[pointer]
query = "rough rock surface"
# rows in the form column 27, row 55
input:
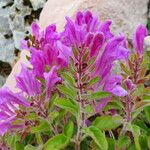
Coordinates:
column 125, row 14
column 15, row 19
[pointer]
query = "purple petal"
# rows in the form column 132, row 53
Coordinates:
column 119, row 91
column 129, row 84
column 50, row 55
column 3, row 115
column 112, row 52
column 4, row 128
column 51, row 79
column 35, row 29
column 79, row 18
column 113, row 85
column 97, row 44
column 105, row 28
column 64, row 53
column 38, row 62
column 88, row 39
column 7, row 96
column 138, row 39
column 26, row 81
column 88, row 17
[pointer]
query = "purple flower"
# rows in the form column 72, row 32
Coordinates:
column 46, row 49
column 74, row 34
column 112, row 52
column 96, row 44
column 9, row 105
column 105, row 28
column 86, row 32
column 87, row 19
column 51, row 79
column 27, row 82
column 38, row 62
column 49, row 35
column 138, row 39
column 35, row 30
column 7, row 96
column 113, row 85
column 129, row 84
column 64, row 54
column 58, row 54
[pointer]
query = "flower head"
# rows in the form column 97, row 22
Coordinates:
column 27, row 82
column 46, row 49
column 86, row 32
column 138, row 39
column 9, row 106
column 113, row 51
column 87, row 35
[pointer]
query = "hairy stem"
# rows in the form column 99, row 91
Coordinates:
column 81, row 119
column 128, row 111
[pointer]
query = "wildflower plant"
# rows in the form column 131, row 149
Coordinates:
column 71, row 98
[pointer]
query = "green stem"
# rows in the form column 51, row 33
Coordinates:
column 39, row 139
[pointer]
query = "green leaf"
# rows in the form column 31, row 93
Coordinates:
column 68, row 129
column 89, row 110
column 68, row 77
column 107, row 122
column 132, row 147
column 12, row 140
column 111, row 144
column 146, row 97
column 124, row 68
column 67, row 91
column 43, row 126
column 139, row 106
column 31, row 116
column 67, row 105
column 56, row 143
column 148, row 142
column 143, row 140
column 39, row 139
column 98, row 95
column 61, row 115
column 98, row 137
column 51, row 102
column 136, row 133
column 53, row 115
column 19, row 146
column 147, row 113
column 112, row 105
column 123, row 142
column 30, row 147
column 93, row 81
column 142, row 125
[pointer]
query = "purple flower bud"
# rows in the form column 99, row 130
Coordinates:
column 138, row 39
column 129, row 84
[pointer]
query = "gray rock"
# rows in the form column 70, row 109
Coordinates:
column 36, row 4
column 2, row 80
column 16, row 17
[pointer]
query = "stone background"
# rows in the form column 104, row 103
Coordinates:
column 16, row 17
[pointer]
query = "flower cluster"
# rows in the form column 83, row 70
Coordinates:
column 86, row 50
